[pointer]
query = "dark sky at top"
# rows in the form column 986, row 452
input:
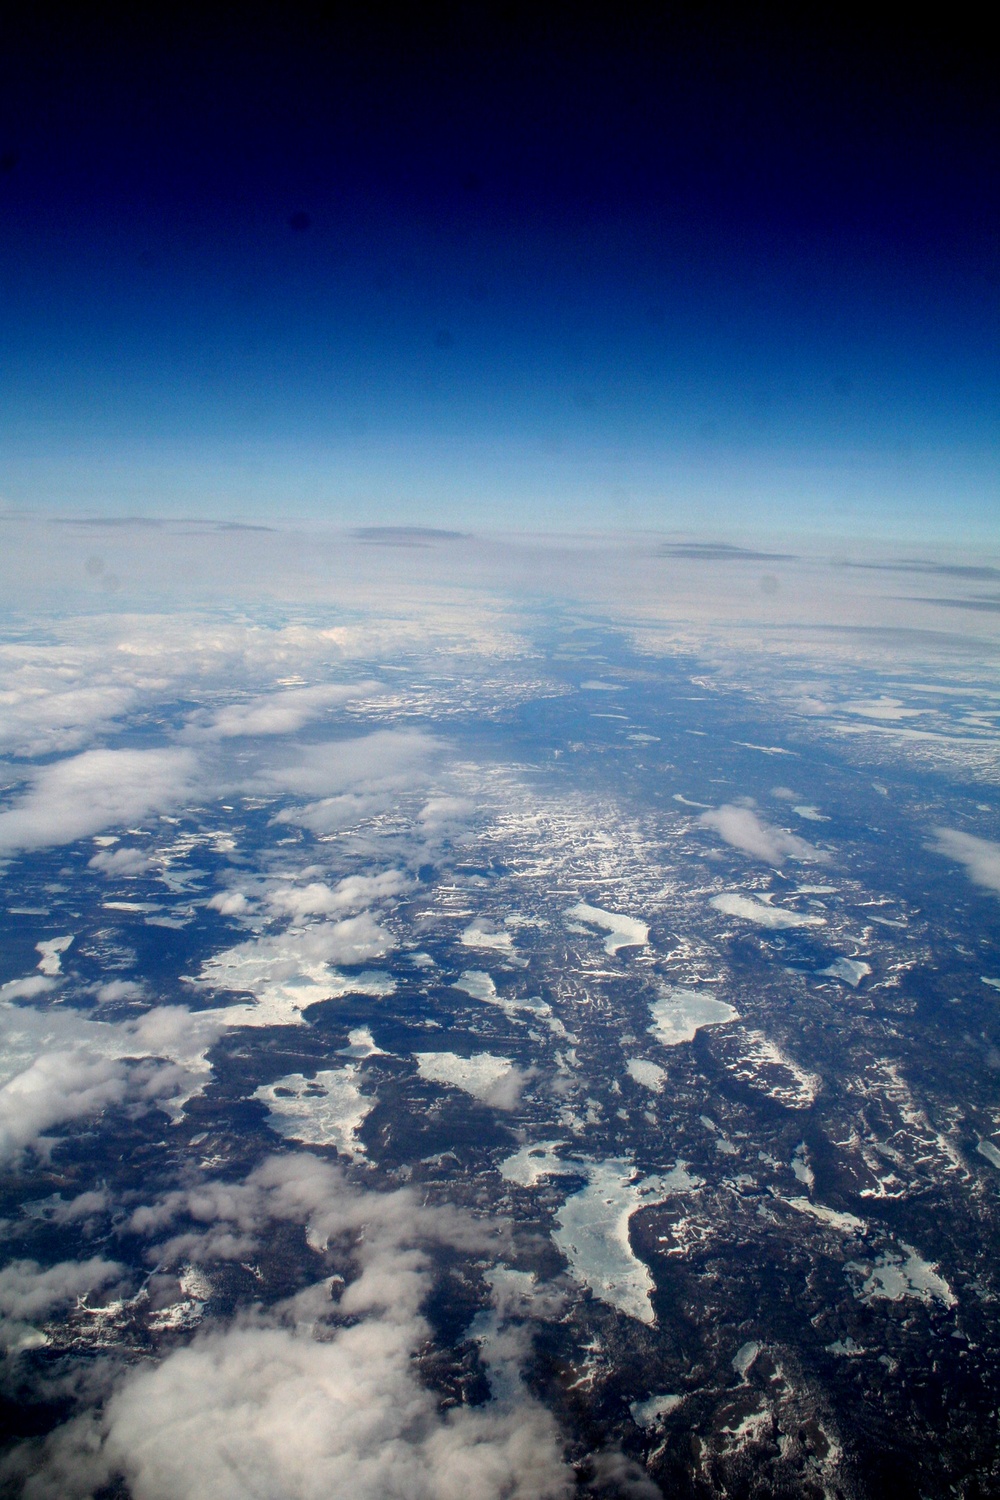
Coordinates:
column 395, row 269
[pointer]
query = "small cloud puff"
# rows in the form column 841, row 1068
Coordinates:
column 229, row 903
column 743, row 829
column 443, row 817
column 121, row 862
column 319, row 899
column 115, row 991
column 29, row 988
column 387, row 761
column 981, row 857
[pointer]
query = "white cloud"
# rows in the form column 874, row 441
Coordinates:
column 57, row 1066
column 42, row 714
column 297, row 951
column 353, row 779
column 314, row 1398
column 981, row 857
column 443, row 817
column 336, row 814
column 229, row 903
column 116, row 990
column 388, row 759
column 28, row 1291
column 29, row 988
column 273, row 1411
column 743, row 829
column 319, row 899
column 277, row 713
column 114, row 862
column 58, row 1088
column 99, row 789
column 83, row 1206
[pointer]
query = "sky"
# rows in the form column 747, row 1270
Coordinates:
column 502, row 270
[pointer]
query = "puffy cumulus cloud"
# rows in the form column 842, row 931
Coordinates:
column 298, row 1188
column 619, row 1478
column 506, row 1092
column 27, row 1291
column 319, row 899
column 301, row 1189
column 743, row 829
column 74, row 798
column 980, row 857
column 57, row 696
column 277, row 713
column 352, row 778
column 85, row 1205
column 229, row 903
column 443, row 817
column 270, row 1411
column 316, row 1397
column 296, row 951
column 388, row 758
column 336, row 814
column 41, row 713
column 61, row 1087
column 58, row 1066
column 115, row 991
column 28, row 989
column 117, row 862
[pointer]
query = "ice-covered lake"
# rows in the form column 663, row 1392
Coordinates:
column 678, row 1013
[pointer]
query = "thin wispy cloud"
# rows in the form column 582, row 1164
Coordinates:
column 980, row 858
column 277, row 713
column 744, row 829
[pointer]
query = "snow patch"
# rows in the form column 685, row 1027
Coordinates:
column 892, row 1277
column 650, row 1413
column 992, row 1155
column 528, row 1166
column 846, row 1223
column 593, row 1232
column 52, row 950
column 479, row 986
column 475, row 936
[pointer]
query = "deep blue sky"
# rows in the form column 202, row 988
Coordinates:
column 471, row 271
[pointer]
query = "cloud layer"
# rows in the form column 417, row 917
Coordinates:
column 99, row 789
column 311, row 1398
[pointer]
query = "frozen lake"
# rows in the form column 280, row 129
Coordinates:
column 679, row 1013
column 327, row 1110
column 623, row 931
column 593, row 1232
